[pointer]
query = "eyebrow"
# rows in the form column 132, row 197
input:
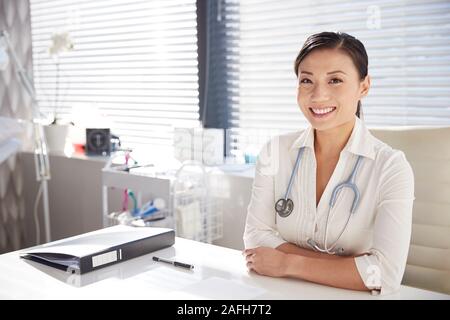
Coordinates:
column 336, row 71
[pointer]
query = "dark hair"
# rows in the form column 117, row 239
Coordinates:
column 337, row 40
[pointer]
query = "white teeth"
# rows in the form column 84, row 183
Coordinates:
column 322, row 111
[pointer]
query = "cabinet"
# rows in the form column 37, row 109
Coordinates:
column 194, row 203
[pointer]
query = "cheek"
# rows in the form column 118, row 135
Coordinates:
column 302, row 101
column 345, row 95
column 348, row 99
column 302, row 95
column 299, row 96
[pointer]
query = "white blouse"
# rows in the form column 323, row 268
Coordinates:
column 378, row 232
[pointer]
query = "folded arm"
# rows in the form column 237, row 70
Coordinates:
column 289, row 260
column 323, row 268
column 291, row 248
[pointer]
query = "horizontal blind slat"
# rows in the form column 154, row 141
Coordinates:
column 409, row 59
column 133, row 61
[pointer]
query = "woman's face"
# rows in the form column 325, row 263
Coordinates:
column 329, row 88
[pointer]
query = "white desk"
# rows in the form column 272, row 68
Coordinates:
column 219, row 273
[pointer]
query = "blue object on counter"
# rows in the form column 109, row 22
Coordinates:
column 135, row 210
column 148, row 209
column 250, row 158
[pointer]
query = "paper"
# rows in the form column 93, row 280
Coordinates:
column 61, row 259
column 219, row 288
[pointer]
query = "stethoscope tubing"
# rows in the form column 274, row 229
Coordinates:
column 294, row 170
column 349, row 183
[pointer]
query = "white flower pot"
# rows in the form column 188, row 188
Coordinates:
column 56, row 136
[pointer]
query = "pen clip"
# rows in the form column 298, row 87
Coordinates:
column 184, row 265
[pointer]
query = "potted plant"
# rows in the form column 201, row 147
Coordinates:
column 57, row 131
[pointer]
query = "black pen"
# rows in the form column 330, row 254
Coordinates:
column 174, row 263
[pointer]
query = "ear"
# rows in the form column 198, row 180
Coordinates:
column 364, row 86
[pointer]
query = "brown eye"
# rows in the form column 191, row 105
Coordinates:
column 305, row 80
column 335, row 80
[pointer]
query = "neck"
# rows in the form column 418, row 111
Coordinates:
column 331, row 142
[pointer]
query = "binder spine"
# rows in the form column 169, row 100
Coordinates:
column 127, row 251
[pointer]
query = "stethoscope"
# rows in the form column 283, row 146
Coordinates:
column 285, row 206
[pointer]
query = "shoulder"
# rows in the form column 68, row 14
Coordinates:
column 273, row 154
column 283, row 142
column 392, row 164
column 387, row 156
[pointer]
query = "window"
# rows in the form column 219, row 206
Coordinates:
column 408, row 43
column 134, row 61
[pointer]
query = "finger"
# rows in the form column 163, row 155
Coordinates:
column 251, row 257
column 249, row 251
column 253, row 270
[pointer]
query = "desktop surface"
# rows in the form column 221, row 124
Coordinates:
column 218, row 273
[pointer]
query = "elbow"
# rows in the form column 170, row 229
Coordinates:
column 250, row 237
column 379, row 273
column 248, row 240
column 254, row 237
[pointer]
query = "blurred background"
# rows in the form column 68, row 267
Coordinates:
column 157, row 83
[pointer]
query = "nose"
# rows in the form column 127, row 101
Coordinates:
column 319, row 93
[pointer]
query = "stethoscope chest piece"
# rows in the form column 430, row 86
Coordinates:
column 284, row 207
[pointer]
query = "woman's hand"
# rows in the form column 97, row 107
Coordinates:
column 266, row 261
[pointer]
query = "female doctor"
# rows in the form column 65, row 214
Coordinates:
column 331, row 204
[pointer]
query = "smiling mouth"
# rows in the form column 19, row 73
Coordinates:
column 322, row 112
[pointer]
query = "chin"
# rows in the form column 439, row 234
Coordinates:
column 332, row 124
column 324, row 126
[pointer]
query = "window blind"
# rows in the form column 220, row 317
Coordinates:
column 408, row 44
column 133, row 61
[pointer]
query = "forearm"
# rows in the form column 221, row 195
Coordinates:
column 340, row 273
column 291, row 248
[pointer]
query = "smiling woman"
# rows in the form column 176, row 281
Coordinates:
column 341, row 88
column 330, row 99
column 331, row 204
